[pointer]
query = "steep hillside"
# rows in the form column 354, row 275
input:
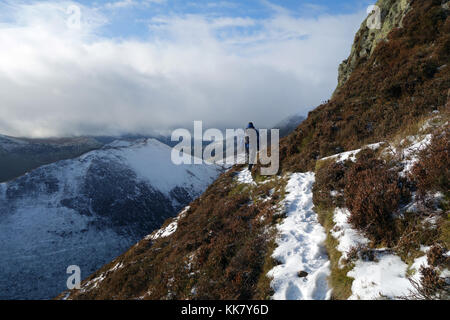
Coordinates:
column 376, row 158
column 406, row 77
column 385, row 209
column 86, row 211
column 216, row 248
column 289, row 124
column 392, row 13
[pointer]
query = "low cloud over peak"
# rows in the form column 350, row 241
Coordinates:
column 59, row 80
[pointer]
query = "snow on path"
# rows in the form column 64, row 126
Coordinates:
column 245, row 176
column 300, row 246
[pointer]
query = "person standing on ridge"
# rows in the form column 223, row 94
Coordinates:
column 251, row 144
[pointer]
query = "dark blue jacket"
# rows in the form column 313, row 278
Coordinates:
column 247, row 144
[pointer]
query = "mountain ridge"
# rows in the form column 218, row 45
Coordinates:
column 85, row 211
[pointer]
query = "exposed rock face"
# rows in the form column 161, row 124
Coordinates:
column 446, row 4
column 391, row 13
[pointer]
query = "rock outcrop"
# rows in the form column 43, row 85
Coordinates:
column 372, row 32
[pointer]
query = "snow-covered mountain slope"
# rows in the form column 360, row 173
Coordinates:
column 86, row 211
column 20, row 155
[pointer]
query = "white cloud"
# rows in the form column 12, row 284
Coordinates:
column 314, row 7
column 224, row 22
column 119, row 4
column 224, row 70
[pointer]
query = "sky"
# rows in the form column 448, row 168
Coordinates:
column 112, row 67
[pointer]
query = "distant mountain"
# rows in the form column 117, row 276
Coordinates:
column 86, row 211
column 20, row 155
column 289, row 124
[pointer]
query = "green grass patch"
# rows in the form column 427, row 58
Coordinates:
column 322, row 163
column 338, row 279
column 260, row 178
column 444, row 230
column 240, row 188
column 263, row 289
column 305, row 141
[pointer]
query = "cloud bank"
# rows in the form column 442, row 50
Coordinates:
column 60, row 80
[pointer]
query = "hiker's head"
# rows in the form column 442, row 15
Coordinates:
column 250, row 125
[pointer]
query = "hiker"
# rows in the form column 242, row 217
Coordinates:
column 251, row 144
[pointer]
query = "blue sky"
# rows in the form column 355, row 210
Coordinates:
column 140, row 66
column 128, row 18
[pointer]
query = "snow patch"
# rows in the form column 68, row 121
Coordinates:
column 169, row 229
column 423, row 262
column 418, row 263
column 300, row 247
column 152, row 161
column 345, row 234
column 410, row 154
column 335, row 193
column 340, row 157
column 118, row 266
column 383, row 278
column 92, row 284
column 245, row 176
